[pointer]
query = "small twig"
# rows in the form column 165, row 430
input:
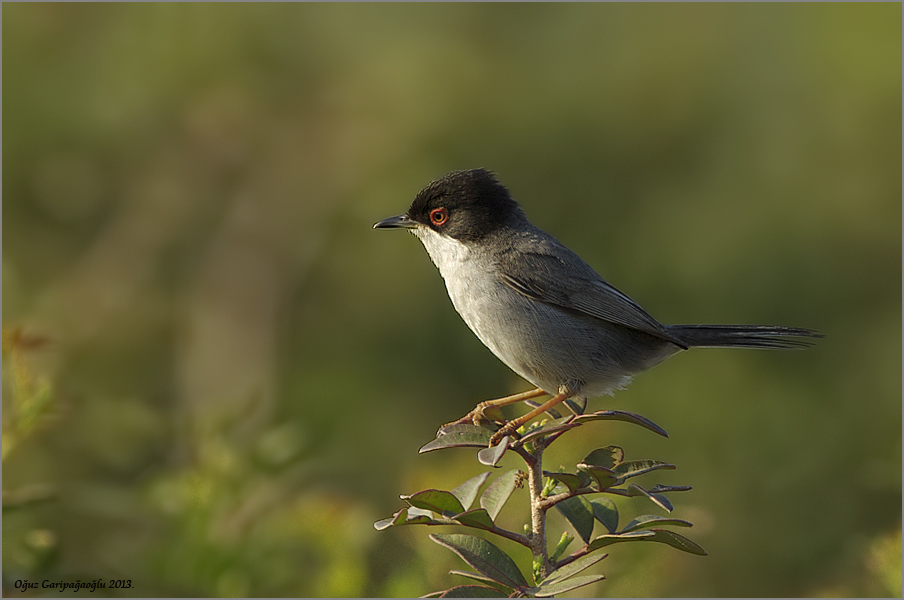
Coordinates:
column 573, row 557
column 551, row 501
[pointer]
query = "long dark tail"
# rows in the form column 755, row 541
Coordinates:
column 743, row 336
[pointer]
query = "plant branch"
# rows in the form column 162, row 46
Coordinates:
column 584, row 551
column 551, row 501
column 538, row 511
column 511, row 535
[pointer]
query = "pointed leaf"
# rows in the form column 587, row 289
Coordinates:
column 614, row 538
column 607, row 457
column 478, row 518
column 471, row 591
column 572, row 568
column 662, row 502
column 577, row 405
column 605, row 511
column 633, row 468
column 483, row 556
column 498, row 492
column 560, row 587
column 493, row 413
column 467, row 491
column 644, row 521
column 622, row 415
column 484, row 580
column 676, row 541
column 659, row 488
column 579, row 513
column 459, row 436
column 439, row 501
column 571, row 481
column 658, row 499
column 407, row 516
column 492, row 455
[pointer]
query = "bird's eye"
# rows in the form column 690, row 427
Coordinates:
column 438, row 216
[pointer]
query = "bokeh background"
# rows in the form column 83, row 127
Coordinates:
column 217, row 376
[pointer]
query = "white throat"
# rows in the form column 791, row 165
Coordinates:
column 448, row 254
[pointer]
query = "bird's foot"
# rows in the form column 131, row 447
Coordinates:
column 483, row 412
column 506, row 430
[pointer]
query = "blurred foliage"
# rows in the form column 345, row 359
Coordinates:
column 241, row 370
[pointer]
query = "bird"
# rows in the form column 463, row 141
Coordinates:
column 543, row 311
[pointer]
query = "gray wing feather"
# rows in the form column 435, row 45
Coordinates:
column 552, row 274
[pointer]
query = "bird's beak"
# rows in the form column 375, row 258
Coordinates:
column 400, row 221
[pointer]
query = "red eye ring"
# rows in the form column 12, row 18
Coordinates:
column 438, row 216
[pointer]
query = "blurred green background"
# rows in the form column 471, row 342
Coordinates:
column 217, row 376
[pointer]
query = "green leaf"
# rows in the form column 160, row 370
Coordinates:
column 439, row 501
column 607, row 457
column 459, row 436
column 563, row 544
column 605, row 478
column 572, row 568
column 662, row 502
column 658, row 499
column 493, row 413
column 407, row 516
column 560, row 587
column 483, row 579
column 659, row 488
column 467, row 491
column 577, row 405
column 608, row 539
column 549, row 428
column 633, row 468
column 571, row 481
column 579, row 513
column 483, row 556
column 663, row 536
column 605, row 511
column 498, row 492
column 492, row 455
column 471, row 591
column 413, row 511
column 645, row 521
column 548, row 425
column 479, row 518
column 622, row 415
column 676, row 541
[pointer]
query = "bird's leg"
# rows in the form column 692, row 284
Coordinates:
column 478, row 414
column 510, row 427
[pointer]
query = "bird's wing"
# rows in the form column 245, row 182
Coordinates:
column 554, row 275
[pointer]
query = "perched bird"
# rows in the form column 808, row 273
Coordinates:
column 542, row 310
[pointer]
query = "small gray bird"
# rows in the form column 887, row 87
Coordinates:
column 542, row 310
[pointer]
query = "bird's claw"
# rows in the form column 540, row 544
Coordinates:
column 505, row 430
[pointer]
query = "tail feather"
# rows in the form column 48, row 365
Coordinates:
column 743, row 336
